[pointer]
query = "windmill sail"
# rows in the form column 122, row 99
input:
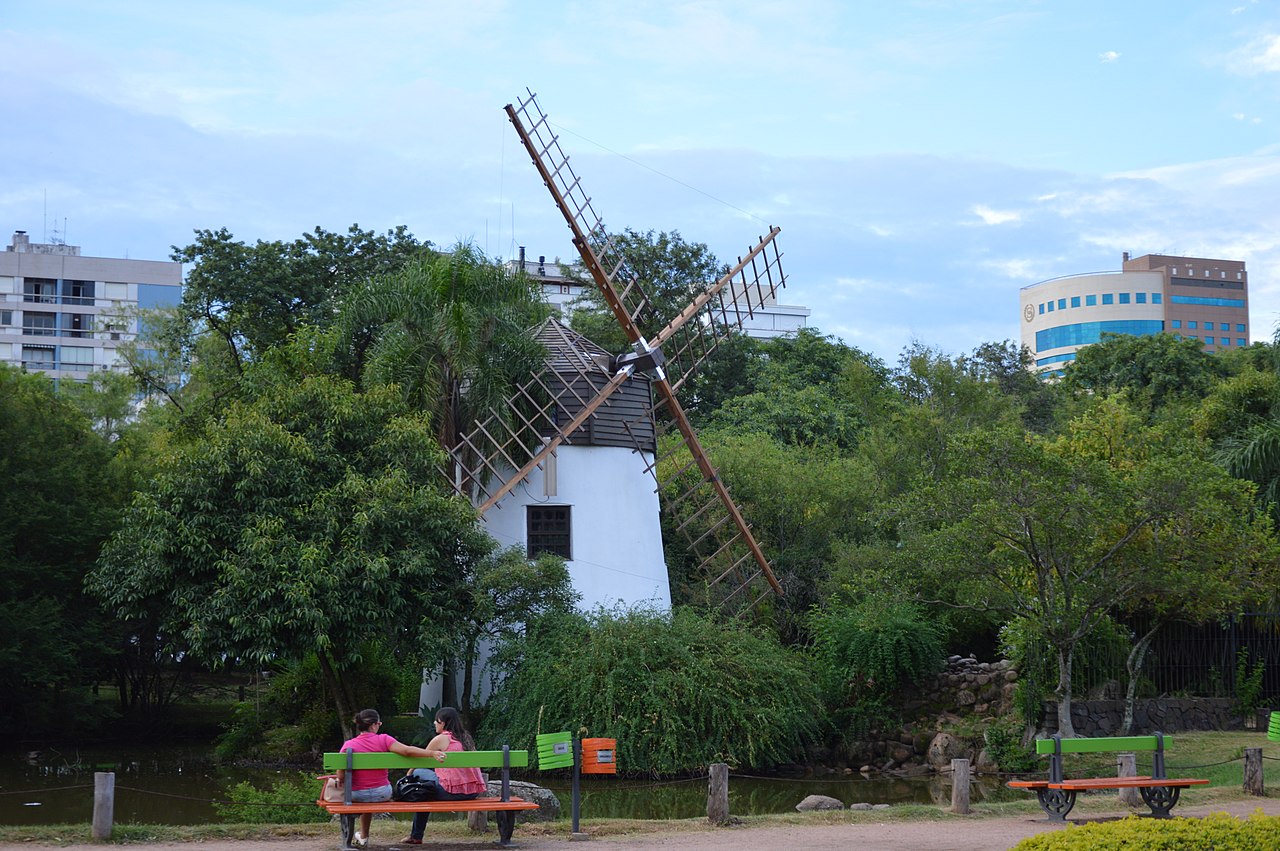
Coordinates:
column 731, row 567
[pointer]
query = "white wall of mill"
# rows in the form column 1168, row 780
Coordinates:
column 616, row 534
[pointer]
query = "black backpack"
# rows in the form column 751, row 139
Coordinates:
column 412, row 788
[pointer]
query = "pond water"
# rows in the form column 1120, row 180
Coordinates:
column 177, row 785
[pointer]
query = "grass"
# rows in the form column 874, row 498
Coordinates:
column 1215, row 756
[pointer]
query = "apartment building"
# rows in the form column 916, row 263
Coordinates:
column 65, row 314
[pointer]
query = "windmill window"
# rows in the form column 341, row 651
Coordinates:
column 548, row 530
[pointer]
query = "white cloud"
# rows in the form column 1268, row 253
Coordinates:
column 1260, row 56
column 996, row 217
column 1108, row 56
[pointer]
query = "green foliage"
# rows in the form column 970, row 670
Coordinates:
column 677, row 690
column 1249, row 682
column 1158, row 369
column 307, row 520
column 58, row 502
column 1214, row 832
column 288, row 800
column 876, row 648
column 1004, row 745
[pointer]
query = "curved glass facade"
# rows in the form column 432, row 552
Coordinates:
column 1085, row 333
column 1210, row 302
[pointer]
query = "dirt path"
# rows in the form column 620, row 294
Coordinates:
column 948, row 833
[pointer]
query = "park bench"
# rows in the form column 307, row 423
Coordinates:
column 1057, row 795
column 504, row 807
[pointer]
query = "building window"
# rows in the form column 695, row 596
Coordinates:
column 1042, row 307
column 1208, row 326
column 37, row 357
column 548, row 530
column 1084, row 333
column 1191, row 323
column 1157, row 298
column 1241, row 341
column 1208, row 302
column 76, row 358
column 1124, row 298
column 1208, row 340
column 1240, row 328
column 39, row 290
column 1140, row 298
column 1051, row 307
column 77, row 292
column 1177, row 323
column 6, row 318
column 1090, row 301
column 1108, row 298
column 1062, row 304
column 39, row 324
column 1075, row 301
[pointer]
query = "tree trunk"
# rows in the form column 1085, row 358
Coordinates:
column 464, row 699
column 345, row 713
column 449, row 682
column 1132, row 666
column 1065, row 727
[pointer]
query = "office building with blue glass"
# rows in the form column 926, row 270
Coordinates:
column 1207, row 300
column 66, row 315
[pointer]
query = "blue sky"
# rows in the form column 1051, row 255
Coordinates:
column 924, row 159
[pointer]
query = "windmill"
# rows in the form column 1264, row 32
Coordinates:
column 586, row 396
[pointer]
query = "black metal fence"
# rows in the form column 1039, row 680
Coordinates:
column 1191, row 660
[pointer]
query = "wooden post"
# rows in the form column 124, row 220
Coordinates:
column 1253, row 771
column 960, row 786
column 104, row 804
column 718, row 794
column 1127, row 766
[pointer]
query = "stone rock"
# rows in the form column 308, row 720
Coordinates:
column 860, row 806
column 548, row 803
column 1011, row 676
column 818, row 802
column 901, row 755
column 964, row 697
column 944, row 748
column 984, row 764
column 866, row 769
column 879, row 806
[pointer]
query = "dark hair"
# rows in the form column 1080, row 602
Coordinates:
column 365, row 719
column 452, row 721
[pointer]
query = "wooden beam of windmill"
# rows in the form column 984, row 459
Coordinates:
column 576, row 207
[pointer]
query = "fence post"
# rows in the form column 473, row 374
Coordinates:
column 1253, row 771
column 1127, row 766
column 960, row 786
column 718, row 794
column 104, row 804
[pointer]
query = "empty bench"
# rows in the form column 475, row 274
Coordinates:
column 1057, row 795
column 503, row 807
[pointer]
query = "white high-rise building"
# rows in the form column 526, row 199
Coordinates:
column 67, row 315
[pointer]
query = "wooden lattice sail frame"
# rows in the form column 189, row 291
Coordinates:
column 554, row 405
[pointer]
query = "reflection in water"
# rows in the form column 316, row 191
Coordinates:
column 176, row 785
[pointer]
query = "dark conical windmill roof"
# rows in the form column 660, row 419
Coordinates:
column 569, row 351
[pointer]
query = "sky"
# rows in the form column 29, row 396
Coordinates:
column 924, row 159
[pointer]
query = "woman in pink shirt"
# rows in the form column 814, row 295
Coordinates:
column 449, row 784
column 372, row 784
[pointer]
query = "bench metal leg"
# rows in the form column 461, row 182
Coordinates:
column 506, row 826
column 348, row 832
column 1161, row 799
column 1056, row 802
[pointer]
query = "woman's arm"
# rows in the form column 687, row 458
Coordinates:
column 409, row 750
column 439, row 746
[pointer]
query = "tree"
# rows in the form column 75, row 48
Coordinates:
column 508, row 591
column 451, row 332
column 1158, row 368
column 310, row 518
column 1031, row 530
column 253, row 297
column 58, row 504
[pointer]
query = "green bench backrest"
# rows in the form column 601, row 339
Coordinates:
column 1119, row 743
column 456, row 759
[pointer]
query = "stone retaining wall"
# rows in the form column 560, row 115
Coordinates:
column 1165, row 715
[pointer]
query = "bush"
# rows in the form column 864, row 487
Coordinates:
column 1004, row 745
column 289, row 800
column 677, row 690
column 1216, row 832
column 874, row 649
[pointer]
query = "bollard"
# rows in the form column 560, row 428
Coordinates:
column 718, row 794
column 1127, row 766
column 104, row 804
column 960, row 786
column 1253, row 771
